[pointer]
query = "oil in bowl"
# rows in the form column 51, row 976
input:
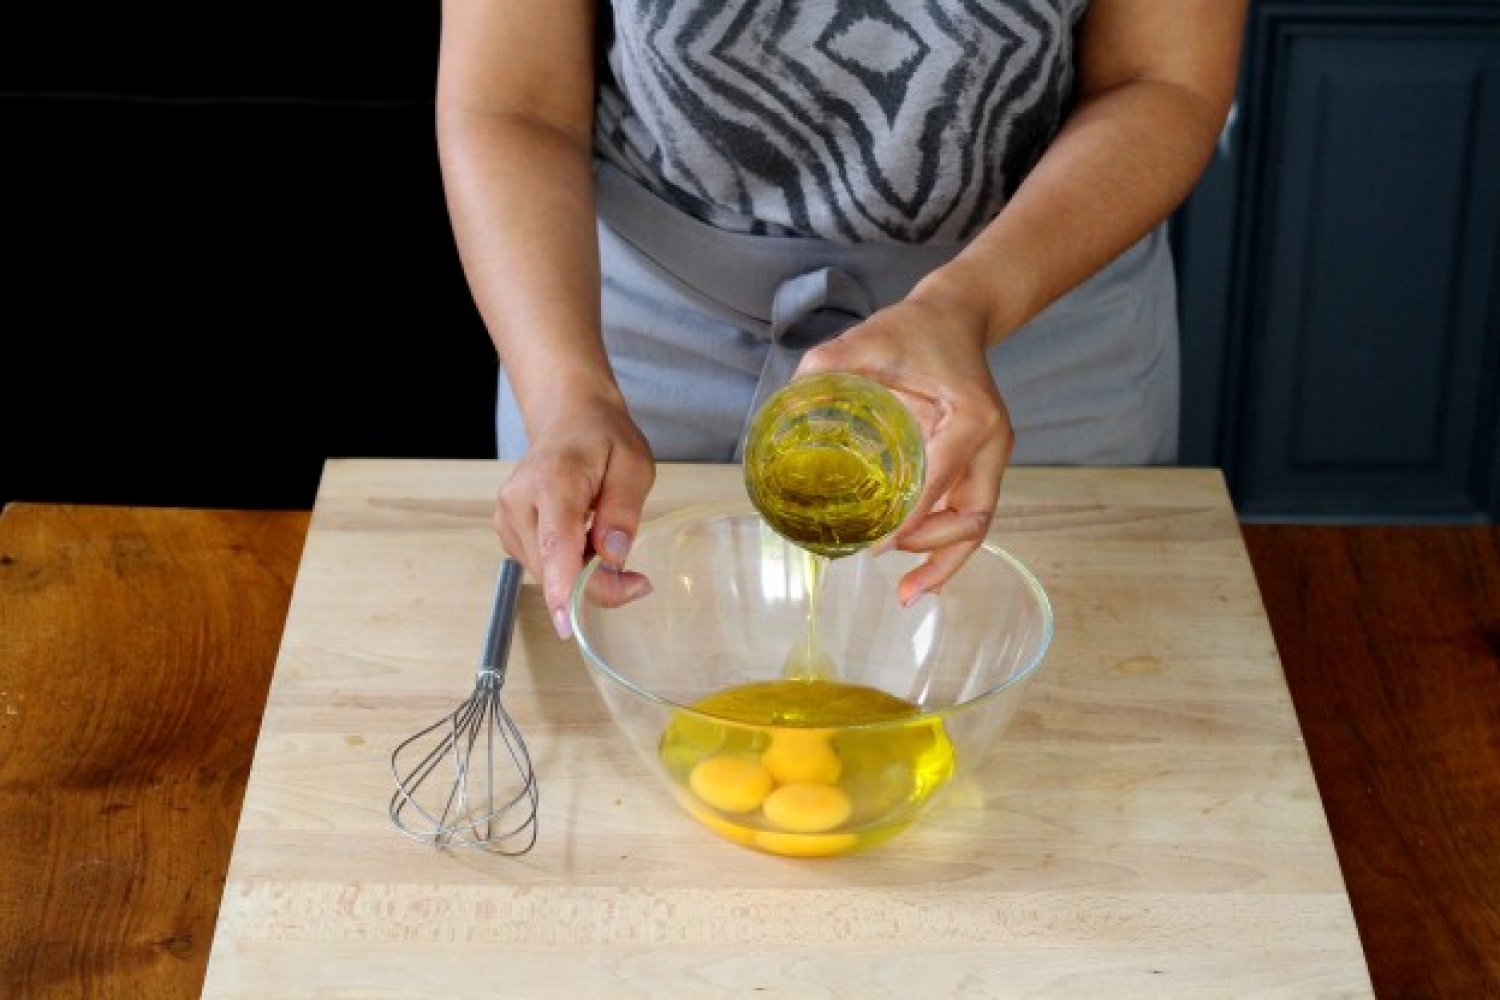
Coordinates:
column 828, row 752
column 806, row 768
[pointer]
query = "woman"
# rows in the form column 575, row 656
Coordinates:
column 962, row 200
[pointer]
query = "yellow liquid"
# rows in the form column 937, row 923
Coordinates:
column 796, row 730
column 833, row 462
column 819, row 493
column 807, row 660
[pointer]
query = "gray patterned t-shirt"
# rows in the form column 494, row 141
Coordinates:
column 851, row 120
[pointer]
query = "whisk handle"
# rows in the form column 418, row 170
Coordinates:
column 502, row 617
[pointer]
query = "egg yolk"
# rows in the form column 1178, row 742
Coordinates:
column 806, row 845
column 742, row 835
column 733, row 784
column 797, row 755
column 806, row 807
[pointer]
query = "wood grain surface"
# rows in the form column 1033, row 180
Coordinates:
column 136, row 647
column 1150, row 826
column 109, row 888
column 1391, row 641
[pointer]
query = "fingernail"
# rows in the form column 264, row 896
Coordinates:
column 640, row 590
column 562, row 623
column 914, row 598
column 616, row 544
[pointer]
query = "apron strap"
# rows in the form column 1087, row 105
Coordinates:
column 793, row 292
column 805, row 311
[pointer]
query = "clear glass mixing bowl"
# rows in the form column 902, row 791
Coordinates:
column 795, row 761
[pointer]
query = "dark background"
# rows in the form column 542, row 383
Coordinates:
column 226, row 254
column 225, row 258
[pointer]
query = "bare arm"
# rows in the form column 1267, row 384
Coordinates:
column 515, row 104
column 1155, row 80
column 514, row 122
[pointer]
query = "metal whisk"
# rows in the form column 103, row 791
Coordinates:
column 492, row 801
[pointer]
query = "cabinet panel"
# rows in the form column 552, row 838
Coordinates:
column 1367, row 378
column 1357, row 368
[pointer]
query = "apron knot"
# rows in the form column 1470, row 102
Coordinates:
column 806, row 310
column 817, row 306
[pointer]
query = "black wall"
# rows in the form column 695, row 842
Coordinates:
column 226, row 256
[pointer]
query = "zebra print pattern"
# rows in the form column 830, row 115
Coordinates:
column 851, row 120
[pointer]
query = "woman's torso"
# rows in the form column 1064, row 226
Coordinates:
column 851, row 120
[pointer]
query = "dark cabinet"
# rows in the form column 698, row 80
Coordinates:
column 1340, row 268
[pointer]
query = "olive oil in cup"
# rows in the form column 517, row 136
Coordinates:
column 834, row 462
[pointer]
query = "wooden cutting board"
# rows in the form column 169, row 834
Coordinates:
column 1149, row 827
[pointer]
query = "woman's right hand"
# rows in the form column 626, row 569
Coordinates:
column 578, row 490
column 931, row 352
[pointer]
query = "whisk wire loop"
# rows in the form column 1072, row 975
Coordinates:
column 492, row 802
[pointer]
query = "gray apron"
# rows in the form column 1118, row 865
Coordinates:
column 702, row 324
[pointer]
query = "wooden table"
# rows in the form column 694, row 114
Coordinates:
column 136, row 645
column 1390, row 638
column 111, row 871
